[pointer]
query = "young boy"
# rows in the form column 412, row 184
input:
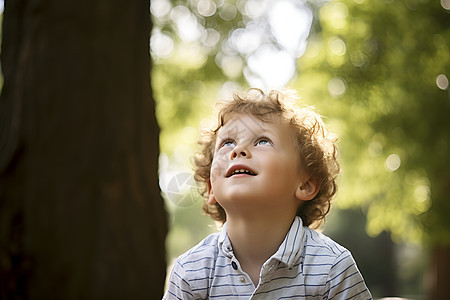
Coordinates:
column 268, row 172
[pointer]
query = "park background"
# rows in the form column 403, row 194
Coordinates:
column 377, row 71
column 80, row 210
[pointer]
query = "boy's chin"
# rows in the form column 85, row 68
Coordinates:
column 239, row 202
column 238, row 197
column 243, row 203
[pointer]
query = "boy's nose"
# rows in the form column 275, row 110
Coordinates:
column 240, row 151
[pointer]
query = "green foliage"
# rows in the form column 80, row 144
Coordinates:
column 379, row 61
column 371, row 67
column 187, row 73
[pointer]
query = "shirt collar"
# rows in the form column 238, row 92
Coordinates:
column 289, row 251
column 224, row 242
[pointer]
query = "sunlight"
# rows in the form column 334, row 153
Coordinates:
column 210, row 37
column 189, row 29
column 270, row 67
column 336, row 14
column 227, row 12
column 160, row 8
column 206, row 8
column 285, row 22
column 337, row 46
column 230, row 65
column 442, row 81
column 336, row 87
column 161, row 45
column 290, row 23
column 254, row 8
column 393, row 162
column 247, row 40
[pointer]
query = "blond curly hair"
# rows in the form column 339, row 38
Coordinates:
column 315, row 143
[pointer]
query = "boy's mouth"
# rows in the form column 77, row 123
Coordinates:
column 240, row 170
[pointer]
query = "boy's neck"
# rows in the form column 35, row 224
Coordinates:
column 255, row 240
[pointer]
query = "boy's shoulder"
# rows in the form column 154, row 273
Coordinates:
column 318, row 244
column 193, row 271
column 333, row 266
column 203, row 253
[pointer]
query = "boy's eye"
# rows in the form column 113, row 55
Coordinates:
column 263, row 141
column 228, row 143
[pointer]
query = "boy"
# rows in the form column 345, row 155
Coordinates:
column 268, row 172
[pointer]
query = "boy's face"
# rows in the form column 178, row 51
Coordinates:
column 255, row 166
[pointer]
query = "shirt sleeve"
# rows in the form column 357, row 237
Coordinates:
column 178, row 287
column 345, row 281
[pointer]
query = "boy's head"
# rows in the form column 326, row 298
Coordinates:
column 312, row 142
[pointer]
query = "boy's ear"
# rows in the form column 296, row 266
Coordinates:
column 211, row 199
column 308, row 190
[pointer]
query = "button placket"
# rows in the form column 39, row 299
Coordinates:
column 242, row 276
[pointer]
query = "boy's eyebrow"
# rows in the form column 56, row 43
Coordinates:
column 235, row 132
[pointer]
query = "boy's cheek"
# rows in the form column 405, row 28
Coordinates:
column 218, row 169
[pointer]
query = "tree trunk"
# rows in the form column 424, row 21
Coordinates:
column 440, row 273
column 81, row 216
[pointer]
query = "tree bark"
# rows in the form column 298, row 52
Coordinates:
column 439, row 273
column 81, row 216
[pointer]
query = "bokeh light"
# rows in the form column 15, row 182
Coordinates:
column 442, row 81
column 161, row 45
column 206, row 8
column 336, row 87
column 393, row 162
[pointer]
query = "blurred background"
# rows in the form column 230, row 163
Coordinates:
column 378, row 70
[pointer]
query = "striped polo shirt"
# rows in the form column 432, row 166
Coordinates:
column 307, row 265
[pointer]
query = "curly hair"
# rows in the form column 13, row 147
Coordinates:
column 315, row 143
